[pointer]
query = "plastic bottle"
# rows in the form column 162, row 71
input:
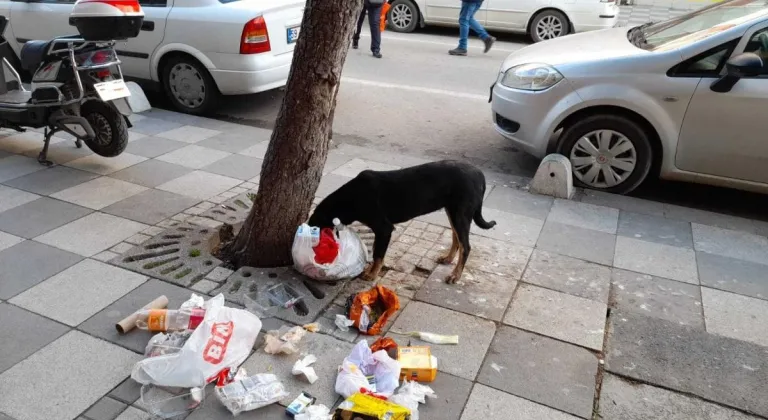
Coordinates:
column 164, row 320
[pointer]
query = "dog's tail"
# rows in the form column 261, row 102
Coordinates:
column 479, row 221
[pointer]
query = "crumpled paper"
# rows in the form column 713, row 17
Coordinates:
column 285, row 344
column 343, row 322
column 315, row 412
column 302, row 366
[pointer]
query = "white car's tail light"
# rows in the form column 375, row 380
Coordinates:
column 255, row 37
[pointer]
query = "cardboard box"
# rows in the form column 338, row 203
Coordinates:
column 417, row 363
column 366, row 407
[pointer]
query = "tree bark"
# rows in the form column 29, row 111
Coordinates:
column 293, row 164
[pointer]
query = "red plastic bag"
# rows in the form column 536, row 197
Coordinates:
column 383, row 22
column 371, row 309
column 327, row 249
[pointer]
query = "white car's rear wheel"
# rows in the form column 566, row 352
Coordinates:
column 608, row 153
column 403, row 16
column 549, row 24
column 189, row 86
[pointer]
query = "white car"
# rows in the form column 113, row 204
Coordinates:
column 541, row 19
column 194, row 50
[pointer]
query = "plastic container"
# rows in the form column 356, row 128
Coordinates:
column 259, row 304
column 168, row 403
column 283, row 295
column 162, row 320
column 105, row 20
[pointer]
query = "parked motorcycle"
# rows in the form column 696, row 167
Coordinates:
column 77, row 83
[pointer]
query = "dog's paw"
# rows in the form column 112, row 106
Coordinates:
column 451, row 279
column 445, row 259
column 367, row 275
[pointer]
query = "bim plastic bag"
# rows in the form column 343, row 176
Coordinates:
column 364, row 370
column 350, row 262
column 222, row 341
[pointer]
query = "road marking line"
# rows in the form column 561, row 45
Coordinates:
column 403, row 39
column 416, row 89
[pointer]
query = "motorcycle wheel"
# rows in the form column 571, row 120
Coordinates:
column 110, row 128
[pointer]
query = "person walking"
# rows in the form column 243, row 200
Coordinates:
column 373, row 9
column 466, row 21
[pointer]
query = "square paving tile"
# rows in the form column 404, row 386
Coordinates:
column 733, row 275
column 16, row 142
column 78, row 292
column 236, row 166
column 188, row 134
column 153, row 126
column 91, row 234
column 656, row 259
column 736, row 316
column 193, row 156
column 199, row 184
column 19, row 343
column 243, row 143
column 542, row 370
column 330, row 353
column 657, row 297
column 128, row 391
column 730, row 243
column 487, row 403
column 39, row 216
column 105, row 409
column 709, row 218
column 93, row 367
column 655, row 229
column 621, row 399
column 559, row 315
column 585, row 244
column 497, row 257
column 11, row 197
column 28, row 263
column 510, row 227
column 258, row 150
column 152, row 147
column 7, row 240
column 475, row 335
column 151, row 206
column 61, row 152
column 102, row 324
column 688, row 360
column 355, row 166
column 16, row 166
column 512, row 200
column 151, row 173
column 478, row 293
column 452, row 394
column 104, row 166
column 623, row 202
column 330, row 183
column 568, row 275
column 583, row 215
column 51, row 180
column 213, row 409
column 99, row 193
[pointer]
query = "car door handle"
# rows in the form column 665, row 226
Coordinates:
column 148, row 26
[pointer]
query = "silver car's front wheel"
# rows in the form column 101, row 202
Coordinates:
column 403, row 16
column 608, row 152
column 549, row 24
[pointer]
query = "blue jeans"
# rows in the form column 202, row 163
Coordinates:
column 467, row 20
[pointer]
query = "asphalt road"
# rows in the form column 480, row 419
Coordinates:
column 418, row 100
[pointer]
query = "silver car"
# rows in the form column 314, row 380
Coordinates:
column 685, row 99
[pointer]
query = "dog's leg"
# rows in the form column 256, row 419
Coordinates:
column 380, row 244
column 462, row 225
column 451, row 255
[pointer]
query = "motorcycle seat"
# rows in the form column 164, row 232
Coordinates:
column 33, row 53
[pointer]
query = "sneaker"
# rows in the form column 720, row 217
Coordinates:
column 377, row 55
column 458, row 51
column 488, row 43
column 354, row 45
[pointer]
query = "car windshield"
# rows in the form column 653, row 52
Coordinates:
column 696, row 26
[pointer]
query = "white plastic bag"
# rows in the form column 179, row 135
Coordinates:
column 315, row 412
column 350, row 262
column 251, row 393
column 362, row 363
column 223, row 340
column 410, row 395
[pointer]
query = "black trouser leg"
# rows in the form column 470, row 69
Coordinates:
column 356, row 36
column 374, row 20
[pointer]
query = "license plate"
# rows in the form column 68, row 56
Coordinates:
column 111, row 90
column 293, row 34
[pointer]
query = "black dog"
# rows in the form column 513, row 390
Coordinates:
column 382, row 199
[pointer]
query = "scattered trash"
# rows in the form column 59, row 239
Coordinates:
column 223, row 341
column 162, row 343
column 410, row 395
column 168, row 403
column 251, row 393
column 350, row 261
column 302, row 367
column 387, row 344
column 283, row 295
column 343, row 322
column 300, row 404
column 257, row 302
column 371, row 309
column 357, row 369
column 417, row 363
column 284, row 342
column 327, row 248
column 163, row 320
column 315, row 412
column 368, row 407
column 129, row 322
column 431, row 337
column 313, row 327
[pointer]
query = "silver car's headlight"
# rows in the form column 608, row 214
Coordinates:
column 533, row 77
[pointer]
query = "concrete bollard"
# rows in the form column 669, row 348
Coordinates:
column 554, row 177
column 138, row 100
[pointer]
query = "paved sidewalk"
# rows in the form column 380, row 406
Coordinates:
column 602, row 307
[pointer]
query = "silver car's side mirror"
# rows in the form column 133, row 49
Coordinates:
column 738, row 67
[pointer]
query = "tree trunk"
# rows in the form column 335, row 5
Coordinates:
column 293, row 164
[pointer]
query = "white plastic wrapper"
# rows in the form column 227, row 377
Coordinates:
column 251, row 393
column 343, row 322
column 362, row 363
column 410, row 395
column 353, row 255
column 315, row 412
column 303, row 367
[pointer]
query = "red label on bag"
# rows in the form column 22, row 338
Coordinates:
column 216, row 347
